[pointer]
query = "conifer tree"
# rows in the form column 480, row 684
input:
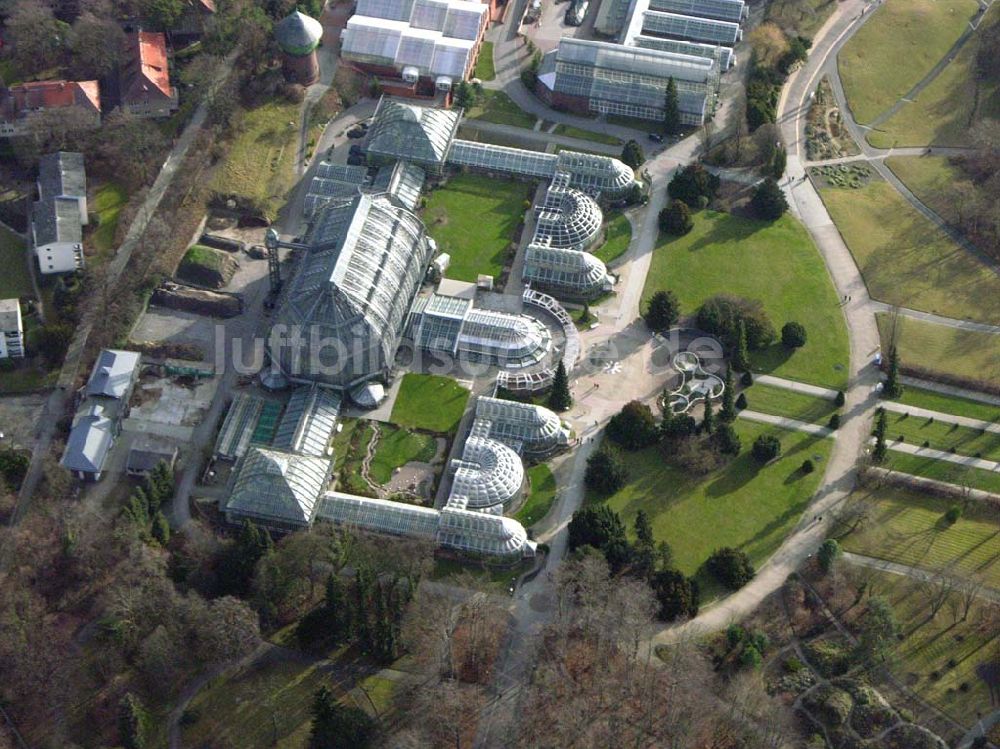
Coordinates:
column 893, row 387
column 671, row 109
column 741, row 356
column 881, row 426
column 708, row 421
column 728, row 412
column 560, row 398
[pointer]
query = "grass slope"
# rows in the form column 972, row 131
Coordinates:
column 788, row 403
column 109, row 199
column 575, row 132
column 775, row 263
column 916, row 430
column 800, row 17
column 496, row 106
column 618, row 235
column 429, row 402
column 741, row 505
column 945, row 350
column 917, row 31
column 906, row 260
column 485, row 69
column 397, row 447
column 473, row 219
column 543, row 494
column 932, row 179
column 949, row 404
column 942, row 112
column 15, row 281
column 946, row 471
column 261, row 159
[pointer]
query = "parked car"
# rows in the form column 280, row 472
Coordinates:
column 656, row 137
column 356, row 159
column 356, row 132
column 357, row 150
column 576, row 12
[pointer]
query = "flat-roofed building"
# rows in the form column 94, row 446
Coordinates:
column 60, row 213
column 11, row 330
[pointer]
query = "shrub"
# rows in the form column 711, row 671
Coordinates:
column 662, row 312
column 840, row 399
column 953, row 514
column 633, row 427
column 793, row 335
column 606, row 472
column 741, row 400
column 678, row 426
column 721, row 315
column 768, row 202
column 678, row 595
column 834, row 422
column 828, row 552
column 597, row 526
column 731, row 567
column 726, row 441
column 746, row 379
column 675, row 219
column 765, row 448
column 808, row 466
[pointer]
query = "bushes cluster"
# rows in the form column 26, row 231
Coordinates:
column 694, row 186
column 634, row 427
column 606, row 472
column 767, row 76
column 721, row 316
column 731, row 567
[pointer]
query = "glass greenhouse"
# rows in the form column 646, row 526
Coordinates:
column 489, row 476
column 567, row 218
column 341, row 316
column 278, row 489
column 721, row 10
column 724, row 56
column 307, row 425
column 691, row 28
column 571, row 272
column 333, row 181
column 535, row 429
column 408, row 132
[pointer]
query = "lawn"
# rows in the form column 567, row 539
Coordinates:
column 932, row 179
column 776, row 263
column 397, row 447
column 266, row 706
column 15, row 281
column 908, row 528
column 617, row 236
column 473, row 218
column 949, row 404
column 543, row 494
column 496, row 106
column 108, row 201
column 788, row 403
column 260, row 165
column 576, row 132
column 485, row 69
column 741, row 505
column 916, row 430
column 944, row 350
column 350, row 445
column 380, row 692
column 918, row 31
column 906, row 260
column 939, row 654
column 946, row 471
column 942, row 112
column 430, row 403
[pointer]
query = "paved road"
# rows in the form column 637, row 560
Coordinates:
column 918, row 573
column 817, row 430
column 798, row 387
column 953, row 390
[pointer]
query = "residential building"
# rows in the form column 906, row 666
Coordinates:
column 98, row 419
column 145, row 76
column 59, row 215
column 76, row 104
column 148, row 452
column 11, row 330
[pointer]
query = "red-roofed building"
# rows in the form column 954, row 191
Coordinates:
column 24, row 104
column 145, row 80
column 197, row 13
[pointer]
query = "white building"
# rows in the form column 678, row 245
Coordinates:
column 11, row 330
column 60, row 213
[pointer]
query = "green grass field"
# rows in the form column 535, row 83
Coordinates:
column 543, row 494
column 932, row 179
column 906, row 260
column 945, row 350
column 741, row 505
column 946, row 471
column 576, row 132
column 916, row 430
column 263, row 707
column 15, row 281
column 776, row 263
column 618, row 235
column 473, row 219
column 496, row 106
column 397, row 447
column 908, row 528
column 485, row 69
column 782, row 402
column 261, row 160
column 949, row 404
column 429, row 402
column 923, row 660
column 917, row 31
column 942, row 112
column 108, row 202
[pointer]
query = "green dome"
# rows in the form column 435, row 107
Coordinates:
column 298, row 34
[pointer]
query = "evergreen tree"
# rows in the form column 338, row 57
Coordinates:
column 728, row 412
column 893, row 387
column 768, row 201
column 881, row 426
column 828, row 552
column 708, row 420
column 250, row 546
column 676, row 219
column 644, row 553
column 161, row 528
column 632, row 154
column 133, row 722
column 671, row 109
column 559, row 397
column 662, row 312
column 779, row 158
column 741, row 356
column 335, row 725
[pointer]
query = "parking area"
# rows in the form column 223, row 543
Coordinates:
column 551, row 25
column 170, row 406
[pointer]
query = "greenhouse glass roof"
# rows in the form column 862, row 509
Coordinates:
column 535, row 428
column 278, row 485
column 503, row 159
column 403, row 181
column 635, row 60
column 489, row 473
column 308, row 422
column 412, row 133
column 689, row 27
column 720, row 10
column 567, row 218
column 698, row 49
